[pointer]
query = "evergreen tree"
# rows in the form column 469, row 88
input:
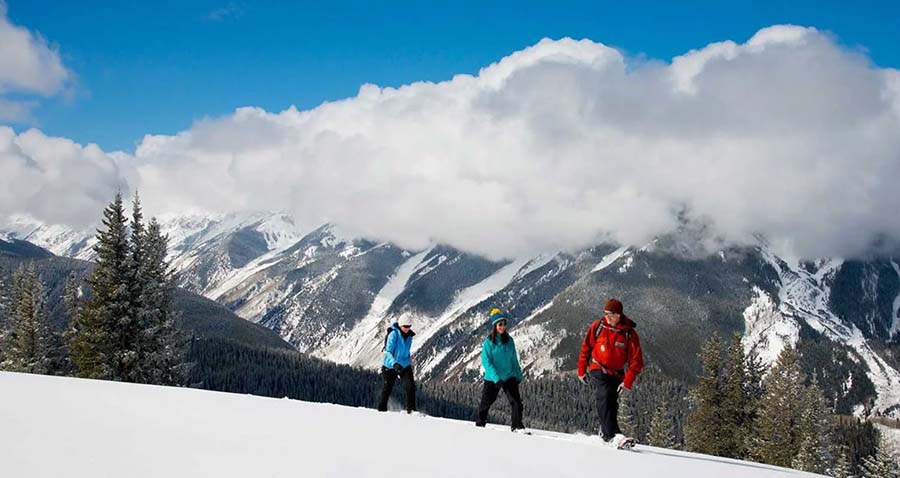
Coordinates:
column 815, row 454
column 880, row 465
column 703, row 430
column 72, row 304
column 30, row 343
column 101, row 346
column 841, row 467
column 662, row 427
column 735, row 419
column 626, row 415
column 72, row 298
column 162, row 350
column 126, row 331
column 783, row 416
column 807, row 458
column 755, row 372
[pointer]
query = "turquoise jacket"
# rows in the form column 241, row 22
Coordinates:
column 397, row 348
column 500, row 360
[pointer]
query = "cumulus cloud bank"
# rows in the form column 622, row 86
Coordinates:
column 28, row 65
column 558, row 146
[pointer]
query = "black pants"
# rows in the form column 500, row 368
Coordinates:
column 605, row 388
column 409, row 384
column 489, row 395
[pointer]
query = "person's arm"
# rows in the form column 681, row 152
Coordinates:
column 389, row 348
column 635, row 361
column 518, row 368
column 587, row 346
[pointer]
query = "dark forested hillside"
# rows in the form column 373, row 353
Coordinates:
column 196, row 315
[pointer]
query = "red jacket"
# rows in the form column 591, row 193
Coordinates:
column 610, row 349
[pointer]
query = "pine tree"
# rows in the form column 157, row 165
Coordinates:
column 662, row 427
column 880, row 465
column 162, row 350
column 755, row 391
column 703, row 430
column 815, row 454
column 841, row 468
column 807, row 458
column 734, row 418
column 72, row 302
column 125, row 331
column 30, row 343
column 780, row 428
column 104, row 329
column 626, row 415
column 72, row 297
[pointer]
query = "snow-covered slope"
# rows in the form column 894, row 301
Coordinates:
column 805, row 295
column 207, row 249
column 60, row 240
column 53, row 426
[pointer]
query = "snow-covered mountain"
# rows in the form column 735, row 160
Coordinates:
column 55, row 426
column 333, row 295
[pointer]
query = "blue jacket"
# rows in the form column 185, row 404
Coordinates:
column 500, row 360
column 397, row 348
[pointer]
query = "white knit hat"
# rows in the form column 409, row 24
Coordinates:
column 406, row 319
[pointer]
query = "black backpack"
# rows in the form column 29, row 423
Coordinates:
column 386, row 337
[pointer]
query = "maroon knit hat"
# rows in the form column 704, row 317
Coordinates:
column 614, row 306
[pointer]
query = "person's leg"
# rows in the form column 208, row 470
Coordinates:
column 515, row 403
column 489, row 393
column 409, row 384
column 607, row 403
column 614, row 403
column 389, row 376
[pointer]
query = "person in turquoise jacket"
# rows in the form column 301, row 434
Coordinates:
column 501, row 372
column 398, row 364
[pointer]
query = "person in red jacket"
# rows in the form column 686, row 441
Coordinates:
column 611, row 356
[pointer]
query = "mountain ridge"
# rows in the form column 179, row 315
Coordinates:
column 332, row 295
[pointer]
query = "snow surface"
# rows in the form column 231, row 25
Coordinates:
column 610, row 258
column 767, row 332
column 54, row 426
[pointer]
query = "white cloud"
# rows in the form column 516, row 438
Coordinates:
column 55, row 179
column 561, row 145
column 27, row 65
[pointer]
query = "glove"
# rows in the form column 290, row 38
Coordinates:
column 621, row 388
column 583, row 379
column 398, row 368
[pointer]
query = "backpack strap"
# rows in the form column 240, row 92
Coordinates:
column 386, row 337
column 599, row 329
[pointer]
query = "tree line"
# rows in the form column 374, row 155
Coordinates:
column 779, row 417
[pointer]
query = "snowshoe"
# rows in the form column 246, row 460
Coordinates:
column 622, row 442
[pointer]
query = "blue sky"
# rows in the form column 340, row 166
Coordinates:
column 156, row 67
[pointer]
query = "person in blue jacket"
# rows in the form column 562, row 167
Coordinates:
column 398, row 363
column 501, row 372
